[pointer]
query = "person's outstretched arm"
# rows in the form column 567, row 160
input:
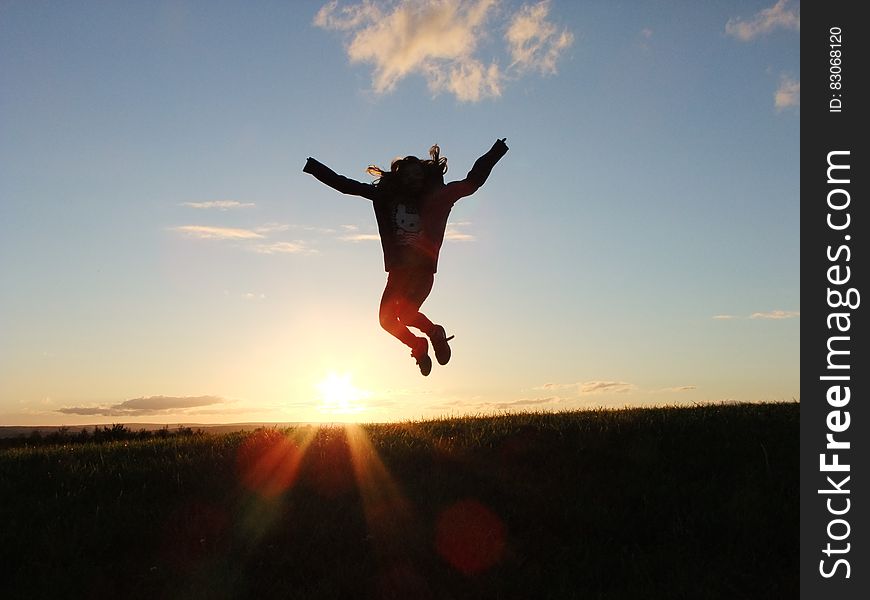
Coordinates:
column 479, row 173
column 345, row 185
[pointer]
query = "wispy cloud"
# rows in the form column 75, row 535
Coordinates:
column 360, row 237
column 788, row 94
column 680, row 388
column 353, row 234
column 207, row 232
column 296, row 247
column 261, row 240
column 439, row 40
column 219, row 204
column 254, row 240
column 591, row 387
column 527, row 403
column 606, row 387
column 475, row 404
column 781, row 15
column 771, row 315
column 558, row 386
column 272, row 228
column 152, row 405
column 455, row 232
column 776, row 314
column 535, row 43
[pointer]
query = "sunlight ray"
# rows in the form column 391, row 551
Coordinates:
column 268, row 464
column 394, row 530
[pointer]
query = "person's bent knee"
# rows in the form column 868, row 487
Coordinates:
column 387, row 319
column 408, row 317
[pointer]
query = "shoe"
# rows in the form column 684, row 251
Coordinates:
column 439, row 344
column 421, row 354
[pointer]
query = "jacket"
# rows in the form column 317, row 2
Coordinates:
column 412, row 228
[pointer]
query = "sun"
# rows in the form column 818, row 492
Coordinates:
column 338, row 396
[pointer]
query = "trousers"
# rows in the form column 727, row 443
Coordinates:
column 405, row 292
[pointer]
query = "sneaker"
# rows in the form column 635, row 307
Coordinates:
column 421, row 354
column 439, row 344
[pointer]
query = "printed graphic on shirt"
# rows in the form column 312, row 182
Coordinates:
column 407, row 225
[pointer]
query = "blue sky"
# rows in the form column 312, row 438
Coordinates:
column 163, row 258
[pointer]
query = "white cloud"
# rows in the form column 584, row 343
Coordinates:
column 219, row 204
column 788, row 94
column 283, row 248
column 779, row 16
column 272, row 228
column 206, row 232
column 429, row 37
column 535, row 43
column 470, row 81
column 455, row 232
column 255, row 240
column 440, row 39
column 770, row 315
column 353, row 234
column 776, row 314
column 348, row 17
column 361, row 237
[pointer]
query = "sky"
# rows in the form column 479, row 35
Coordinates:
column 163, row 258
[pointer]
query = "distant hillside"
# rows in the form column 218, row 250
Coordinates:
column 13, row 431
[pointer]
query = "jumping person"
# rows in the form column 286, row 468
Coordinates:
column 412, row 203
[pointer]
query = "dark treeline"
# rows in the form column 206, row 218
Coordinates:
column 98, row 434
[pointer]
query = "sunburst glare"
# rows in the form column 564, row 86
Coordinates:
column 340, row 397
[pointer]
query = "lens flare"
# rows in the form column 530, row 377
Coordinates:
column 470, row 537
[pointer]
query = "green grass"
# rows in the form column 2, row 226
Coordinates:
column 697, row 502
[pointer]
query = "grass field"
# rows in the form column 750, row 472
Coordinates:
column 697, row 502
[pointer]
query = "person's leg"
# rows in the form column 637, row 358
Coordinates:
column 392, row 301
column 417, row 289
column 394, row 304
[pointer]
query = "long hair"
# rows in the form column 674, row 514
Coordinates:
column 434, row 169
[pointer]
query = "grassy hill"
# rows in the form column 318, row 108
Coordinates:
column 697, row 502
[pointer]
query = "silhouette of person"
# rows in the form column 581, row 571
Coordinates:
column 412, row 203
